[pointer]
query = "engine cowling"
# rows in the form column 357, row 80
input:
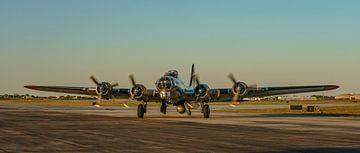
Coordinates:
column 240, row 88
column 104, row 89
column 137, row 92
column 202, row 91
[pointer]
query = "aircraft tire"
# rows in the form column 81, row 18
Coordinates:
column 206, row 111
column 163, row 108
column 140, row 111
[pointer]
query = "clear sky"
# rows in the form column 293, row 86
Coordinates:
column 269, row 43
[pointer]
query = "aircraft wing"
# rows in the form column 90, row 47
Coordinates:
column 270, row 91
column 225, row 94
column 91, row 91
column 118, row 93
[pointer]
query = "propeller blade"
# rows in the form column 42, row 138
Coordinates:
column 132, row 79
column 192, row 75
column 100, row 96
column 232, row 78
column 94, row 80
column 236, row 95
column 235, row 98
column 115, row 85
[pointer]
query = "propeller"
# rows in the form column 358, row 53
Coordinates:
column 237, row 87
column 99, row 96
column 201, row 90
column 137, row 89
column 94, row 80
column 132, row 79
column 97, row 82
column 232, row 78
column 236, row 95
column 192, row 75
column 103, row 87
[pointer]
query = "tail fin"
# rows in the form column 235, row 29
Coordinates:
column 192, row 75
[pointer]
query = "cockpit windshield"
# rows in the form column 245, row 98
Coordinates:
column 164, row 83
column 172, row 73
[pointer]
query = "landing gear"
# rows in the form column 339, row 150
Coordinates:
column 163, row 108
column 187, row 109
column 202, row 107
column 140, row 111
column 188, row 112
column 206, row 111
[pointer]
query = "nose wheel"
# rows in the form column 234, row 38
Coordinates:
column 163, row 108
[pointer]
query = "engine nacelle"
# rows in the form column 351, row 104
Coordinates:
column 137, row 92
column 104, row 89
column 202, row 91
column 241, row 88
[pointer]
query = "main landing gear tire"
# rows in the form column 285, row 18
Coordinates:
column 140, row 111
column 163, row 108
column 206, row 111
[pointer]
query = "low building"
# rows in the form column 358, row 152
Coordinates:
column 296, row 98
column 348, row 97
column 356, row 97
column 343, row 97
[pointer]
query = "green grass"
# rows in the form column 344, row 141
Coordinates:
column 342, row 110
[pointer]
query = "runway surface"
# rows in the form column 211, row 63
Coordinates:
column 30, row 128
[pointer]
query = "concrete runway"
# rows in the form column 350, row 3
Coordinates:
column 29, row 128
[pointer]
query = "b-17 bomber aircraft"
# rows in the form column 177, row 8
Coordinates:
column 170, row 90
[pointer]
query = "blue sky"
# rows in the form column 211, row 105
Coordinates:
column 268, row 43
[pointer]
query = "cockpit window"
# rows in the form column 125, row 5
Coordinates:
column 172, row 73
column 164, row 83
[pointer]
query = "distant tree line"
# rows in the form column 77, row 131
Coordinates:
column 323, row 97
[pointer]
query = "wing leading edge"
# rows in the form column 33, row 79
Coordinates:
column 271, row 91
column 226, row 94
column 91, row 91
